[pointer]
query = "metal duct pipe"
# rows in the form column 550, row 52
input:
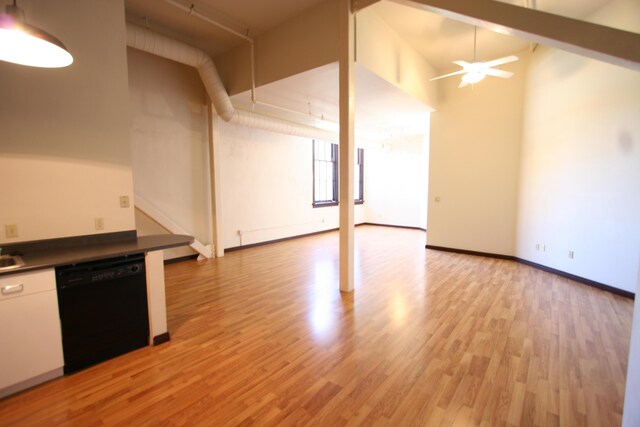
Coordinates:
column 260, row 121
column 165, row 47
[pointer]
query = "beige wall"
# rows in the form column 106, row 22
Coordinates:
column 169, row 140
column 382, row 51
column 474, row 164
column 305, row 42
column 580, row 177
column 544, row 163
column 310, row 40
column 395, row 185
column 267, row 187
column 64, row 150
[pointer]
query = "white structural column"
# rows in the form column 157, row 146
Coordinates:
column 631, row 412
column 216, row 185
column 346, row 59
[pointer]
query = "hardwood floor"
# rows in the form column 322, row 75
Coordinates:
column 263, row 336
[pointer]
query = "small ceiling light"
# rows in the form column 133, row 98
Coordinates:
column 21, row 43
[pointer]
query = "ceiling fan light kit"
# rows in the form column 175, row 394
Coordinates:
column 24, row 44
column 472, row 77
column 476, row 71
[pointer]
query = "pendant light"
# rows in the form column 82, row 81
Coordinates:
column 21, row 43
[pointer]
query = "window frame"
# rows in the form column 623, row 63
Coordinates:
column 360, row 166
column 335, row 168
column 335, row 160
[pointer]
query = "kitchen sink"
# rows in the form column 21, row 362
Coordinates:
column 9, row 262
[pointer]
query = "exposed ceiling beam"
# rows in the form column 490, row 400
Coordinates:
column 595, row 41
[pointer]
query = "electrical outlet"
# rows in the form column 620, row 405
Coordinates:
column 537, row 246
column 571, row 254
column 124, row 201
column 99, row 223
column 544, row 248
column 11, row 230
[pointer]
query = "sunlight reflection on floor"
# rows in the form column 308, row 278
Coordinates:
column 322, row 316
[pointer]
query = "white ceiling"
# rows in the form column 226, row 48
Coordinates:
column 380, row 106
column 440, row 40
column 250, row 17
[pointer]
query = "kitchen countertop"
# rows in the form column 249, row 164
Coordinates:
column 40, row 258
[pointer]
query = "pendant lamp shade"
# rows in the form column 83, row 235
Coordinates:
column 21, row 43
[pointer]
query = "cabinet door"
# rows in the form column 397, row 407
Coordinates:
column 30, row 336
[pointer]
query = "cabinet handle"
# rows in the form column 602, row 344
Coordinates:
column 12, row 289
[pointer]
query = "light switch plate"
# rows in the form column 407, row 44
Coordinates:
column 11, row 230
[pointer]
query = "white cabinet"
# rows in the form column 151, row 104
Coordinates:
column 30, row 338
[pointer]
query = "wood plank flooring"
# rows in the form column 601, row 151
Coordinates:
column 263, row 336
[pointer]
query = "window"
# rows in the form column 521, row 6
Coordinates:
column 325, row 173
column 358, row 176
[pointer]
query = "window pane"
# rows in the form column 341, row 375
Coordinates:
column 324, row 171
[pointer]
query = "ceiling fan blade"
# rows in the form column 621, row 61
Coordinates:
column 497, row 73
column 448, row 75
column 500, row 61
column 463, row 64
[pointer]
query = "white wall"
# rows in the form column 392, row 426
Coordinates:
column 64, row 150
column 474, row 164
column 304, row 42
column 169, row 138
column 580, row 182
column 381, row 50
column 267, row 187
column 396, row 183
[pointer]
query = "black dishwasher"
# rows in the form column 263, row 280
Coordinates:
column 103, row 309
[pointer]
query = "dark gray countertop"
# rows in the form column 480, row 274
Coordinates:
column 53, row 257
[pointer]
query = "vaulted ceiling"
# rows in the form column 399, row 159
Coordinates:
column 439, row 40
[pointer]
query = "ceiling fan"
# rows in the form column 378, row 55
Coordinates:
column 474, row 72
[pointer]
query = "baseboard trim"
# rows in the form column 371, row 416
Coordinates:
column 161, row 339
column 31, row 382
column 394, row 226
column 268, row 242
column 284, row 239
column 180, row 259
column 579, row 279
column 582, row 280
column 467, row 252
